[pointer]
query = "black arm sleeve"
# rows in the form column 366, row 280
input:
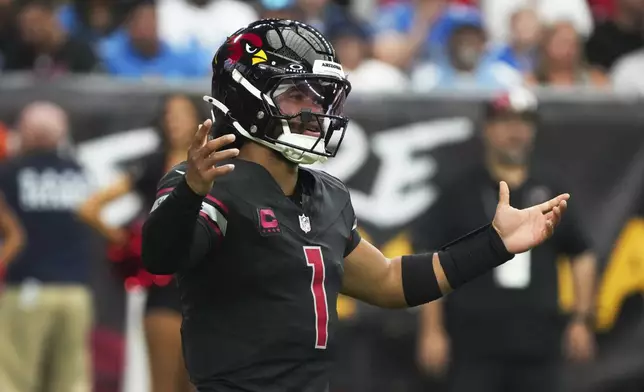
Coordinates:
column 174, row 236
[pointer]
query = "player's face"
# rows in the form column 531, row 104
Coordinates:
column 510, row 139
column 181, row 121
column 311, row 106
column 296, row 100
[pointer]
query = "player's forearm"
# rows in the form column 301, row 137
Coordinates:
column 584, row 272
column 414, row 280
column 172, row 235
column 384, row 285
column 429, row 276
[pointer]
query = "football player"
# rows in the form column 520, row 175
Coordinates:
column 262, row 246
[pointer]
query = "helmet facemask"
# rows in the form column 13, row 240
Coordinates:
column 306, row 121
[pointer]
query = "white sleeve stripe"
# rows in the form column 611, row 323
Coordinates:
column 213, row 213
column 158, row 202
column 216, row 216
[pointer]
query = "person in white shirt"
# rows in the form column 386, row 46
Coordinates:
column 627, row 74
column 497, row 14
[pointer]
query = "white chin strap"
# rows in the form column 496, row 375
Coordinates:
column 298, row 155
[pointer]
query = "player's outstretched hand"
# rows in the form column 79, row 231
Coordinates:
column 203, row 157
column 524, row 229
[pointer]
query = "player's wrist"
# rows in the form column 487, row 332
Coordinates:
column 184, row 191
column 473, row 255
column 197, row 187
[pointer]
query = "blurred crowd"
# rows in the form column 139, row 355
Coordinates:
column 385, row 45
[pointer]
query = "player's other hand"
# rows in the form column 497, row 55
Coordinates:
column 524, row 229
column 203, row 157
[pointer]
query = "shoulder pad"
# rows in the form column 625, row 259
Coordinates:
column 173, row 176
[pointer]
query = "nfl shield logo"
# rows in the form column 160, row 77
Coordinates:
column 305, row 223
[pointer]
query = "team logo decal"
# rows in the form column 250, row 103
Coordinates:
column 247, row 48
column 305, row 223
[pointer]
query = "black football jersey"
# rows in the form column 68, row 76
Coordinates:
column 260, row 314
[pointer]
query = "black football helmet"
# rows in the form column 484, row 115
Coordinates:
column 279, row 83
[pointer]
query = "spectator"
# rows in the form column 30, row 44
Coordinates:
column 44, row 47
column 623, row 33
column 627, row 76
column 497, row 15
column 560, row 61
column 324, row 15
column 466, row 65
column 504, row 331
column 602, row 9
column 13, row 240
column 46, row 309
column 521, row 52
column 93, row 20
column 404, row 31
column 367, row 75
column 9, row 142
column 162, row 322
column 201, row 26
column 8, row 31
column 137, row 50
column 280, row 9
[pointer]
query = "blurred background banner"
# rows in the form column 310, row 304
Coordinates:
column 398, row 153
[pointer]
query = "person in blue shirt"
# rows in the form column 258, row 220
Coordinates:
column 464, row 63
column 92, row 20
column 418, row 30
column 521, row 52
column 137, row 50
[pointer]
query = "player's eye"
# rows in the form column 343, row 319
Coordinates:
column 250, row 48
column 298, row 96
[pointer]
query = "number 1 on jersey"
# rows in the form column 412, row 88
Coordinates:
column 314, row 260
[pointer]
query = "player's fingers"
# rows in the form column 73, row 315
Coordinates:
column 218, row 171
column 549, row 216
column 550, row 204
column 219, row 156
column 504, row 193
column 201, row 137
column 549, row 228
column 217, row 144
column 556, row 216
